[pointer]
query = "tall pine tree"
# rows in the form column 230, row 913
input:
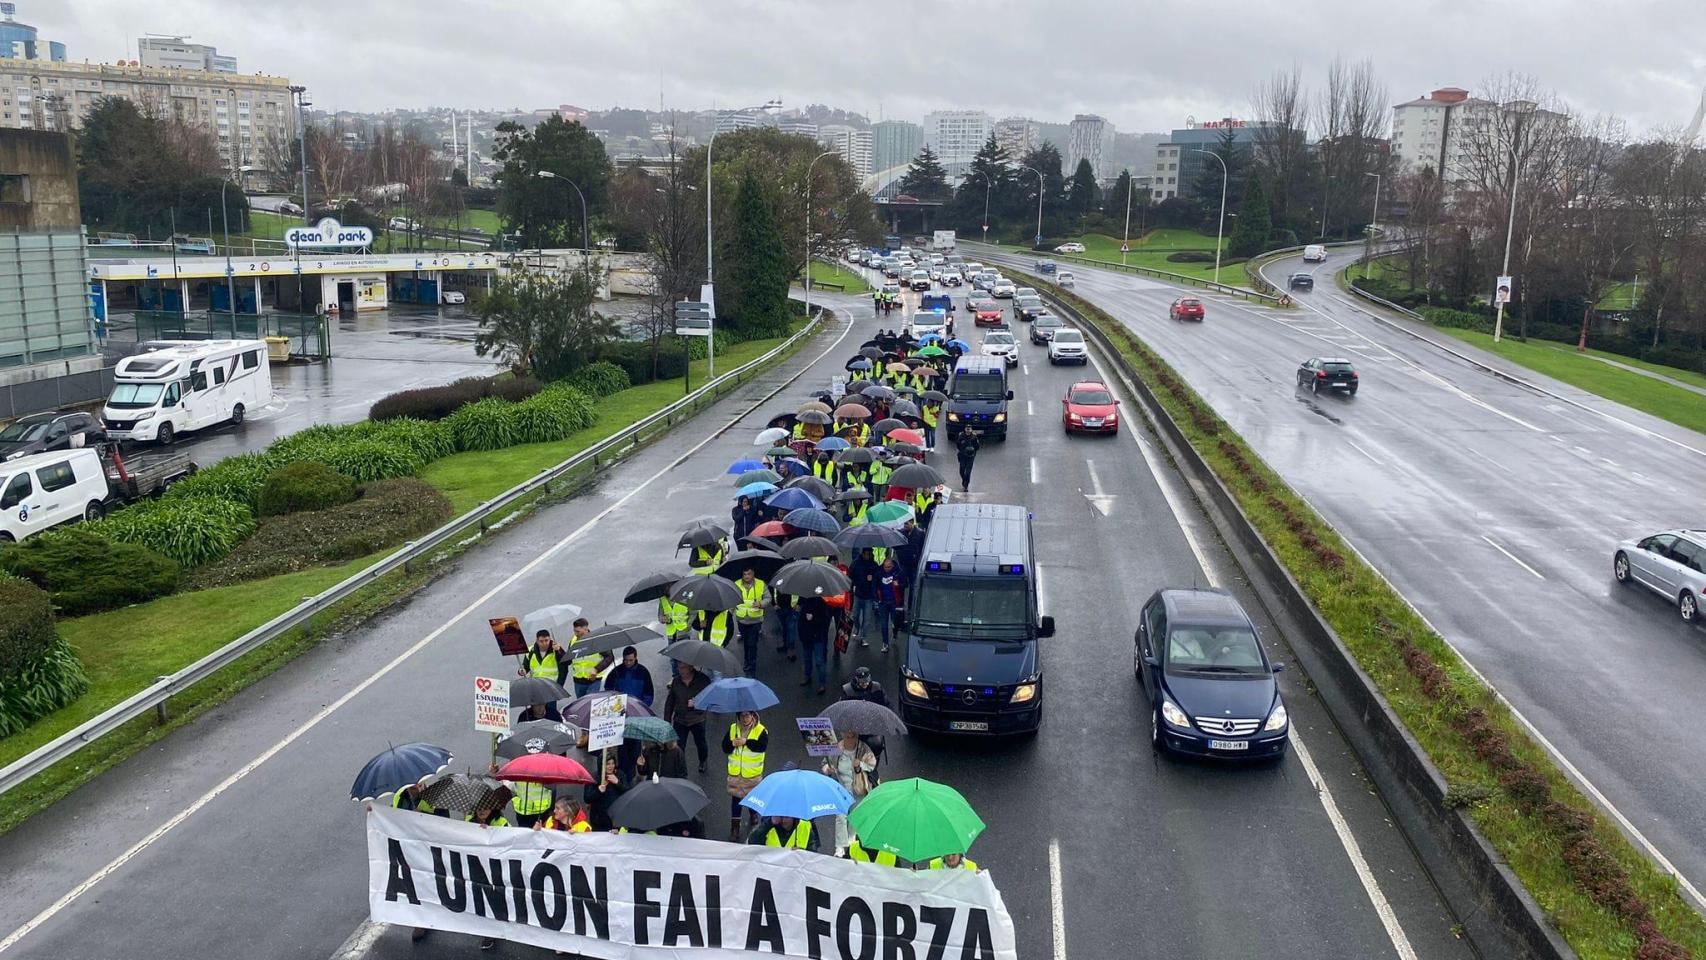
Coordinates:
column 755, row 280
column 925, row 179
column 1081, row 192
column 1255, row 223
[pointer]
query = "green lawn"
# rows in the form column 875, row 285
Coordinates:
column 1619, row 297
column 831, row 273
column 1152, row 249
column 1681, row 407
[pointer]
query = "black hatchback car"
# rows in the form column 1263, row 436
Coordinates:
column 45, row 432
column 1210, row 684
column 1301, row 281
column 1328, row 373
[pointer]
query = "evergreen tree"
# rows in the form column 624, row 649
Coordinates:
column 925, row 179
column 755, row 281
column 1206, row 187
column 978, row 200
column 1255, row 223
column 1046, row 161
column 1116, row 198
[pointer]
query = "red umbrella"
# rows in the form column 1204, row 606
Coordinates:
column 545, row 768
column 906, row 436
column 772, row 528
column 802, row 447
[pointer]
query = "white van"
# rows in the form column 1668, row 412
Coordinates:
column 176, row 386
column 1314, row 253
column 47, row 489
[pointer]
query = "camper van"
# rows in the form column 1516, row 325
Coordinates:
column 179, row 386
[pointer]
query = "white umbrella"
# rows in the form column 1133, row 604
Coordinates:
column 770, row 436
column 559, row 618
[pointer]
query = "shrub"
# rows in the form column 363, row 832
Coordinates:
column 238, row 479
column 600, row 379
column 304, row 485
column 366, row 460
column 635, row 359
column 429, row 440
column 190, row 530
column 437, row 403
column 387, row 513
column 84, row 572
column 552, row 414
column 39, row 672
column 1460, row 319
column 26, row 623
column 487, row 424
column 1192, row 256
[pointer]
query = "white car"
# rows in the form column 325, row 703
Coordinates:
column 927, row 322
column 452, row 296
column 1314, row 253
column 935, row 274
column 969, row 270
column 1025, row 292
column 951, row 278
column 1073, row 247
column 1002, row 343
column 1002, row 289
column 1068, row 347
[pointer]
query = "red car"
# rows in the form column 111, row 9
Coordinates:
column 1186, row 308
column 1090, row 407
column 987, row 313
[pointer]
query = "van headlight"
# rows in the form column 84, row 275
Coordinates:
column 915, row 688
column 1024, row 693
column 1000, row 418
column 953, row 417
column 146, row 415
column 1175, row 717
column 1278, row 719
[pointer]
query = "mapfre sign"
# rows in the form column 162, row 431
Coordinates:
column 328, row 233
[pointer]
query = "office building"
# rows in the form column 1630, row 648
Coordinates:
column 18, row 41
column 728, row 120
column 1090, row 138
column 956, row 135
column 853, row 146
column 797, row 124
column 175, row 53
column 894, row 143
column 1017, row 136
column 1179, row 160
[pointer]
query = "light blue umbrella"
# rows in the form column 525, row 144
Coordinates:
column 859, row 364
column 957, row 342
column 734, row 695
column 805, row 794
column 742, row 466
column 929, row 337
column 756, row 490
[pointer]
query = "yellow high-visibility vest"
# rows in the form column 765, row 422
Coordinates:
column 824, row 469
column 531, row 798
column 585, row 668
column 928, row 414
column 857, row 851
column 751, row 609
column 538, row 666
column 675, row 617
column 719, row 626
column 797, row 840
column 856, row 512
column 746, row 762
column 966, row 863
column 421, row 806
column 880, row 472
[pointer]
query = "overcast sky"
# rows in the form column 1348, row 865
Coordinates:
column 1145, row 66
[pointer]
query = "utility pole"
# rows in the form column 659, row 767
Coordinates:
column 1220, row 231
column 1368, row 255
column 1125, row 242
column 302, row 104
column 1040, row 189
column 1510, row 224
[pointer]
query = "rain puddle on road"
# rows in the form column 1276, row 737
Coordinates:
column 1315, row 408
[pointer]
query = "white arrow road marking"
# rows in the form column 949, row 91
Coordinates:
column 1103, row 502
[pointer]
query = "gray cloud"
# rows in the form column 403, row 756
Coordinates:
column 1144, row 66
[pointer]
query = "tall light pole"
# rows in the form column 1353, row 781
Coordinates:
column 1368, row 258
column 1040, row 189
column 1125, row 242
column 809, row 166
column 302, row 105
column 230, row 272
column 988, row 185
column 586, row 246
column 711, row 341
column 1510, row 218
column 1219, row 231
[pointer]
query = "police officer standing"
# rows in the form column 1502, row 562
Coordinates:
column 967, row 447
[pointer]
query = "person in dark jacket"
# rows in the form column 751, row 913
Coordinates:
column 816, row 621
column 913, row 549
column 864, row 573
column 891, row 597
column 864, row 687
column 966, row 449
column 631, row 677
column 599, row 798
column 678, row 708
column 745, row 516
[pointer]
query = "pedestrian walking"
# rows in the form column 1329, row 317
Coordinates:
column 531, row 801
column 587, row 668
column 545, row 659
column 864, row 573
column 909, row 552
column 675, row 618
column 631, row 677
column 745, row 517
column 891, row 598
column 788, row 624
column 712, row 626
column 816, row 621
column 745, row 743
column 966, row 449
column 679, row 710
column 665, row 760
column 749, row 617
column 864, row 687
column 855, row 767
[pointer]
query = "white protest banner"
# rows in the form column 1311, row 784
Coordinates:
column 639, row 897
column 491, row 705
column 607, row 721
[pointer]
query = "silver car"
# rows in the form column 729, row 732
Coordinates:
column 1671, row 564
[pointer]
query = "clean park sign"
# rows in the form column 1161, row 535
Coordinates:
column 328, row 233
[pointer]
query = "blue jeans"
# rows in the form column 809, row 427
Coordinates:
column 813, row 653
column 885, row 615
column 864, row 608
column 584, row 687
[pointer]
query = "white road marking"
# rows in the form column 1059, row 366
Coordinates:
column 1030, row 411
column 1365, row 453
column 1034, row 471
column 243, row 772
column 1056, row 899
column 1103, row 502
column 1513, row 557
column 1025, row 368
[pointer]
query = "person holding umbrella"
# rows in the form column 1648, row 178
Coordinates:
column 864, row 575
column 966, row 450
column 750, row 617
column 746, row 743
column 543, row 660
column 815, row 621
column 679, row 710
column 855, row 768
column 587, row 668
column 745, row 516
column 790, row 833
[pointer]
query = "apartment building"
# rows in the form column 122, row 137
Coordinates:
column 956, row 135
column 1090, row 138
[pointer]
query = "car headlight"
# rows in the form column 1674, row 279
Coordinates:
column 144, row 416
column 1074, row 417
column 1278, row 719
column 1000, row 418
column 915, row 688
column 1175, row 717
column 954, row 417
column 1024, row 693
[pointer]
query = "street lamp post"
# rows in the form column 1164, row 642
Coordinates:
column 1040, row 189
column 1510, row 226
column 808, row 283
column 711, row 340
column 988, row 185
column 1125, row 242
column 230, row 272
column 586, row 246
column 1220, row 230
column 302, row 105
column 1368, row 258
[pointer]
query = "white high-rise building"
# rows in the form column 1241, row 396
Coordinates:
column 1434, row 131
column 853, row 146
column 955, row 136
column 740, row 120
column 1090, row 138
column 1016, row 135
column 175, row 53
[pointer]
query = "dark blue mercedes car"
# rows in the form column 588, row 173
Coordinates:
column 1210, row 684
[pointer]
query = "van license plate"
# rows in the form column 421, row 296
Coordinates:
column 974, row 726
column 1229, row 744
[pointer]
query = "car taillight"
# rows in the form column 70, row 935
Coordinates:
column 1320, row 374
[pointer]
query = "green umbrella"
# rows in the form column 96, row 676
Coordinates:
column 889, row 511
column 649, row 729
column 779, row 452
column 915, row 820
column 931, row 350
column 755, row 476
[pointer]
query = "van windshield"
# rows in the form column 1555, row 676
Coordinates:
column 990, row 387
column 134, row 396
column 974, row 602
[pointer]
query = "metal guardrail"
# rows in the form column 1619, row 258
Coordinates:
column 1177, row 278
column 599, row 456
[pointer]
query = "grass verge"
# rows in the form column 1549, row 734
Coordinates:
column 830, row 273
column 1151, row 251
column 1604, row 897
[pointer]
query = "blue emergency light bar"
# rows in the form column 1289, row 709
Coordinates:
column 938, row 566
column 1016, row 569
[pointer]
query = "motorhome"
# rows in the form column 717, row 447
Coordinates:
column 179, row 386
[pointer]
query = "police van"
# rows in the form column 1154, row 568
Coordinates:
column 977, row 397
column 176, row 386
column 971, row 662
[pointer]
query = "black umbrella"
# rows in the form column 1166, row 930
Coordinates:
column 658, row 803
column 857, row 387
column 706, row 521
column 859, row 456
column 869, row 535
column 933, row 396
column 871, row 352
column 464, row 792
column 532, row 691
column 613, row 637
column 705, row 656
column 903, row 449
column 762, row 563
column 852, row 495
column 880, row 393
column 805, row 548
column 864, row 718
column 652, row 586
column 816, row 486
column 810, row 578
column 761, row 543
column 579, row 711
column 701, row 537
column 906, row 390
column 903, row 408
column 816, row 417
column 538, row 736
column 888, row 423
column 915, row 476
column 398, row 767
column 706, row 591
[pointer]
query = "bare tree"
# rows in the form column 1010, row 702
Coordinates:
column 1595, row 239
column 1423, row 196
column 1663, row 182
column 1281, row 150
column 665, row 210
column 1353, row 112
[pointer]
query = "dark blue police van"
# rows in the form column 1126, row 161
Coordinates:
column 977, row 397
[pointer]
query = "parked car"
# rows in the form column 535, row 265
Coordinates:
column 452, row 296
column 44, row 432
column 1001, row 343
column 1073, row 247
column 1314, row 253
column 1026, row 307
column 1002, row 288
column 1067, row 346
column 1671, row 564
column 1300, row 281
column 1043, row 327
column 1327, row 373
column 1090, row 407
column 44, row 490
column 1209, row 682
column 986, row 312
column 1186, row 308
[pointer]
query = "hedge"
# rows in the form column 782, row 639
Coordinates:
column 600, row 380
column 84, row 572
column 1457, row 319
column 365, row 460
column 437, row 403
column 190, row 530
column 488, row 424
column 387, row 513
column 238, row 479
column 552, row 414
column 39, row 672
column 635, row 359
column 305, row 485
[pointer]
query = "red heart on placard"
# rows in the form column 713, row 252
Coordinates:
column 483, row 684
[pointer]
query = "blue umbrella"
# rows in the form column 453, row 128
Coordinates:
column 396, row 768
column 929, row 337
column 860, row 364
column 805, row 794
column 793, row 498
column 812, row 519
column 957, row 342
column 743, row 465
column 758, row 489
column 799, row 467
column 833, row 443
column 735, row 694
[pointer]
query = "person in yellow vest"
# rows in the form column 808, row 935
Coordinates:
column 532, row 802
column 823, row 467
column 921, row 500
column 567, row 815
column 861, row 434
column 879, row 479
column 489, row 815
column 799, row 432
column 545, row 659
column 745, row 743
column 858, row 854
column 707, row 557
column 787, row 832
column 587, row 668
column 854, row 475
column 712, row 625
column 675, row 618
column 855, row 511
column 409, row 798
column 749, row 617
column 953, row 861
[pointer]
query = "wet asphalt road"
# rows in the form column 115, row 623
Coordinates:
column 1198, row 860
column 1493, row 506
